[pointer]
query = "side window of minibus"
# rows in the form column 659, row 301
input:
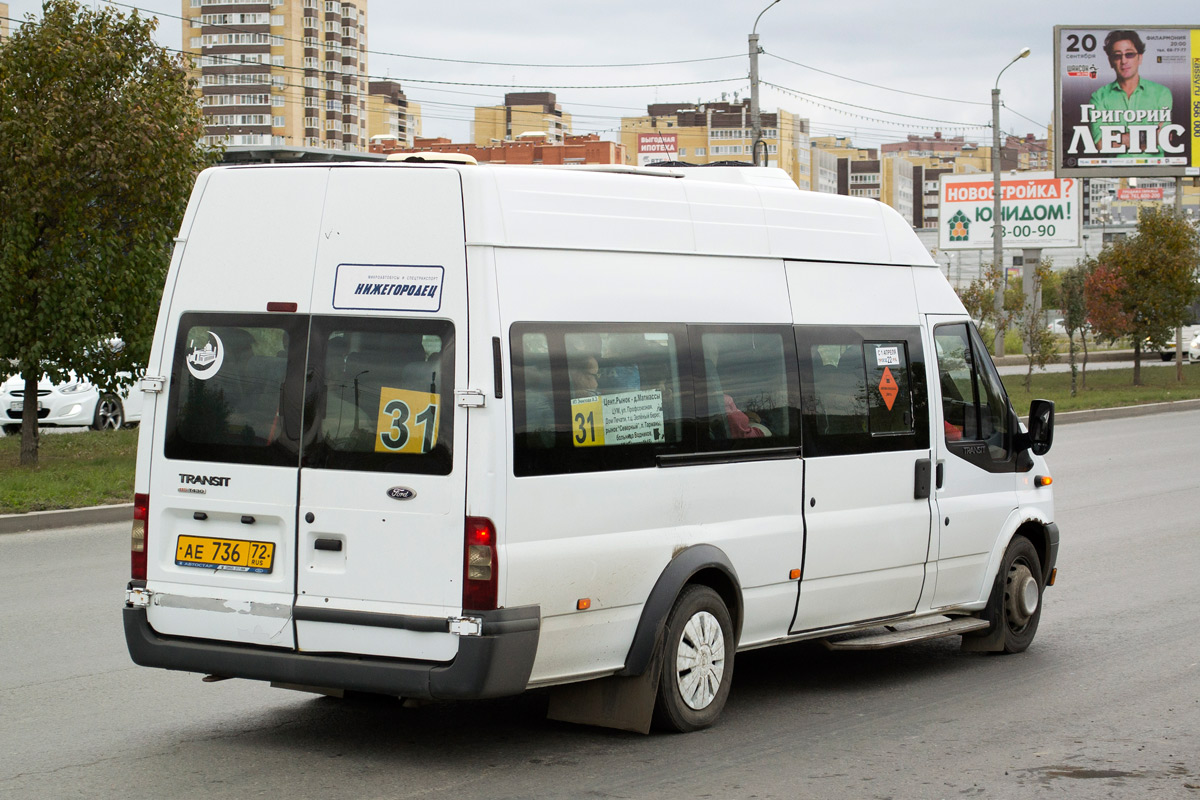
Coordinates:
column 862, row 390
column 974, row 405
column 594, row 396
column 747, row 387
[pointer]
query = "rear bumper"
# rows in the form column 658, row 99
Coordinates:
column 492, row 665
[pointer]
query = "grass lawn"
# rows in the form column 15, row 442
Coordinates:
column 96, row 468
column 1106, row 388
column 74, row 470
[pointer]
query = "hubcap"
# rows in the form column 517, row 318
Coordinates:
column 1021, row 597
column 110, row 415
column 700, row 662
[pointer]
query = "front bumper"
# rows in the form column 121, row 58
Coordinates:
column 55, row 409
column 1051, row 550
column 494, row 664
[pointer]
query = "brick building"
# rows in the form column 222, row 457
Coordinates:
column 528, row 149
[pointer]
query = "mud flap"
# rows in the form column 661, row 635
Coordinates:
column 991, row 641
column 623, row 703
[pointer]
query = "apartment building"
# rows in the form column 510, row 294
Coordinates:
column 824, row 165
column 390, row 114
column 3, row 21
column 710, row 133
column 522, row 113
column 843, row 168
column 840, row 153
column 927, row 171
column 280, row 72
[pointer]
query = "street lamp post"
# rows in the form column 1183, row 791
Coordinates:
column 755, row 116
column 997, row 221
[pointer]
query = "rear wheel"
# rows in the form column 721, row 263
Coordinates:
column 11, row 430
column 110, row 416
column 1016, row 601
column 697, row 668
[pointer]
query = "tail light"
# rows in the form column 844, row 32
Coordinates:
column 481, row 565
column 138, row 537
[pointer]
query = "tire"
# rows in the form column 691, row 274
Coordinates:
column 11, row 430
column 1018, row 587
column 110, row 416
column 1165, row 356
column 697, row 667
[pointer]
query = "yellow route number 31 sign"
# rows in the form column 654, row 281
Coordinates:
column 623, row 418
column 408, row 421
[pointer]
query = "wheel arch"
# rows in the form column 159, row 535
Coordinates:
column 701, row 564
column 1042, row 533
column 1044, row 536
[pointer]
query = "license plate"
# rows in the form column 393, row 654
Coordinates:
column 239, row 555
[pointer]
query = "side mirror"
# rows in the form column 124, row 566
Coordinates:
column 1041, row 426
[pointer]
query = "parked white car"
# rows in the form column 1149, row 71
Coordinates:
column 73, row 402
column 1191, row 346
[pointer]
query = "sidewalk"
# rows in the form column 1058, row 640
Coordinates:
column 98, row 515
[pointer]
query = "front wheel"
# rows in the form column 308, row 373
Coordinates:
column 110, row 416
column 1016, row 601
column 697, row 670
column 11, row 430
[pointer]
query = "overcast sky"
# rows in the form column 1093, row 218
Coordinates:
column 949, row 52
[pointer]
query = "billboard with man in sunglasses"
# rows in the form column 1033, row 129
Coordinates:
column 1127, row 101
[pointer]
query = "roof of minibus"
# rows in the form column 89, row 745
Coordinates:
column 728, row 211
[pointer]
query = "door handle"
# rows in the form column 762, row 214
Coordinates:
column 328, row 544
column 941, row 473
column 923, row 474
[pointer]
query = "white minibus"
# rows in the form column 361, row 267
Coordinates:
column 441, row 430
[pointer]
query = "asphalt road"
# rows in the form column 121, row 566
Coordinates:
column 1106, row 703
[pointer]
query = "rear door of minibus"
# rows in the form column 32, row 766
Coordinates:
column 221, row 524
column 311, row 489
column 382, row 480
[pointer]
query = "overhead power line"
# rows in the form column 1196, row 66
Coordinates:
column 560, row 86
column 876, row 85
column 835, row 103
column 238, row 28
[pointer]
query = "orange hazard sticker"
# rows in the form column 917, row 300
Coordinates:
column 888, row 388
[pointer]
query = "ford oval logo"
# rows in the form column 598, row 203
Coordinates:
column 401, row 493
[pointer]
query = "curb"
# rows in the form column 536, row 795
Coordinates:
column 67, row 518
column 1122, row 412
column 98, row 515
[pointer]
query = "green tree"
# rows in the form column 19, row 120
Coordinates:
column 979, row 299
column 99, row 146
column 1072, row 301
column 1153, row 280
column 1038, row 342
